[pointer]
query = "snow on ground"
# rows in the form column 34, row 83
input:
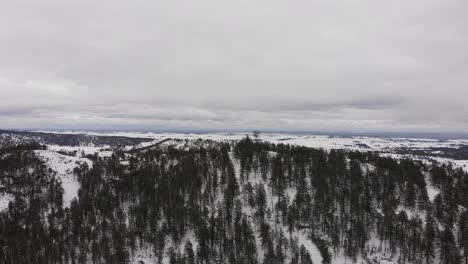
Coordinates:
column 456, row 163
column 86, row 150
column 143, row 256
column 190, row 236
column 377, row 252
column 428, row 160
column 366, row 167
column 142, row 145
column 363, row 143
column 311, row 247
column 5, row 199
column 410, row 212
column 432, row 192
column 359, row 143
column 63, row 165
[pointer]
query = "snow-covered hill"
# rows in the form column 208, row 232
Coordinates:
column 63, row 160
column 63, row 166
column 416, row 148
column 363, row 143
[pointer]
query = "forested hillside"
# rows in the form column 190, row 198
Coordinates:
column 247, row 201
column 20, row 137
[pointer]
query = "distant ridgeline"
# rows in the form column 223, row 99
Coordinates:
column 19, row 137
column 233, row 202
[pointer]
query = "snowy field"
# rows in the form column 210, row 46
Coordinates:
column 359, row 143
column 362, row 143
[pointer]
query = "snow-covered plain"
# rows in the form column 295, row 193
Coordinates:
column 364, row 143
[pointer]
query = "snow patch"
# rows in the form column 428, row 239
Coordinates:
column 63, row 165
column 5, row 199
column 432, row 192
column 86, row 150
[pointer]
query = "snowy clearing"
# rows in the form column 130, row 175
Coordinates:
column 86, row 150
column 63, row 165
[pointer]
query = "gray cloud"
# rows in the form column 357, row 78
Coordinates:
column 305, row 65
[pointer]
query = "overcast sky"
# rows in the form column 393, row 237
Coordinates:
column 344, row 65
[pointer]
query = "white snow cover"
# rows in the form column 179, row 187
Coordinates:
column 387, row 145
column 456, row 163
column 317, row 141
column 360, row 143
column 5, row 199
column 428, row 160
column 63, row 165
column 432, row 192
column 87, row 150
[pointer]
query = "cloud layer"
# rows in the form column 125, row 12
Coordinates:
column 210, row 64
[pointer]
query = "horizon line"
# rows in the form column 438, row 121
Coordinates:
column 376, row 133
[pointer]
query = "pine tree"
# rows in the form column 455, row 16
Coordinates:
column 188, row 251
